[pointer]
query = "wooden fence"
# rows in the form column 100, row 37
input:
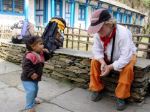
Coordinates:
column 76, row 38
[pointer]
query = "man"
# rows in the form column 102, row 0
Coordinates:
column 113, row 49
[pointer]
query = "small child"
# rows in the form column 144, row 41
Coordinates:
column 32, row 65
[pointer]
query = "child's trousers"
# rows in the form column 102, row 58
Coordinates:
column 31, row 89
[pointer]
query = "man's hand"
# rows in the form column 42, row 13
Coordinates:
column 34, row 76
column 103, row 67
column 108, row 68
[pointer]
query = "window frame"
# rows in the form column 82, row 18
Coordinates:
column 13, row 12
column 68, row 12
column 82, row 8
column 58, row 3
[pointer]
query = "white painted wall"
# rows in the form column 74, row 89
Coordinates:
column 89, row 16
column 63, row 12
column 10, row 19
column 49, row 10
column 31, row 11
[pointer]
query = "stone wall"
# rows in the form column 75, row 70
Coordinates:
column 74, row 66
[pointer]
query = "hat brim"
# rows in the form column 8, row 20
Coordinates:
column 95, row 29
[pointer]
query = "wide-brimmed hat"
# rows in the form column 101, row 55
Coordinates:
column 97, row 20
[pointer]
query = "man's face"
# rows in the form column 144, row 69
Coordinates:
column 105, row 30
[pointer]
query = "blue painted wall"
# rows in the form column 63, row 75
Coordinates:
column 26, row 9
column 52, row 8
column 72, row 13
column 45, row 11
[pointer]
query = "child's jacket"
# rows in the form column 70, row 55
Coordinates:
column 33, row 63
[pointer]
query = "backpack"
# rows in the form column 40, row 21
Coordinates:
column 50, row 37
column 26, row 31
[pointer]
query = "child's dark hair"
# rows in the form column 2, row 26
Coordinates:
column 32, row 40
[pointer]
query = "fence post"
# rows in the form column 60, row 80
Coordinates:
column 79, row 37
column 148, row 53
column 72, row 37
column 67, row 37
column 87, row 43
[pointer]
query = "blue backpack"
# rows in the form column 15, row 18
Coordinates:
column 51, row 41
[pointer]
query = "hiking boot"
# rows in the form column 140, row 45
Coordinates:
column 120, row 104
column 96, row 96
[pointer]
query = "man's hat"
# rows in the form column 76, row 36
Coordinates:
column 98, row 18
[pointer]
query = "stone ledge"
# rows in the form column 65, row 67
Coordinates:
column 73, row 52
column 141, row 62
column 74, row 66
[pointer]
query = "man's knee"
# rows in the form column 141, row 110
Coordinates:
column 95, row 62
column 128, row 68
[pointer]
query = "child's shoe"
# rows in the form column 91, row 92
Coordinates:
column 37, row 102
column 31, row 110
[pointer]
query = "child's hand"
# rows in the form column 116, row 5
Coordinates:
column 45, row 50
column 34, row 76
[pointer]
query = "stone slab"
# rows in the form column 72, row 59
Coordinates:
column 11, row 100
column 142, row 63
column 11, row 78
column 47, row 107
column 78, row 100
column 50, row 88
column 6, row 67
column 3, row 85
column 73, row 52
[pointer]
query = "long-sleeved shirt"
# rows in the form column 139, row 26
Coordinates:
column 124, row 48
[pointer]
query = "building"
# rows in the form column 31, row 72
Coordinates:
column 75, row 12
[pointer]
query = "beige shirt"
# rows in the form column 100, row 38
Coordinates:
column 123, row 50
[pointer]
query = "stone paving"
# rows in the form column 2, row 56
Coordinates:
column 56, row 96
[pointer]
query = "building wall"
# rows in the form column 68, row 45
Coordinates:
column 31, row 12
column 49, row 10
column 10, row 19
column 63, row 11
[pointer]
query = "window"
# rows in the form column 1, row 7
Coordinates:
column 58, row 8
column 82, row 12
column 68, row 12
column 12, row 6
column 115, row 15
column 128, row 19
column 19, row 6
column 7, row 5
column 68, row 7
column 93, row 8
column 0, row 5
column 121, row 17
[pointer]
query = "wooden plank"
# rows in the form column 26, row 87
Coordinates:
column 83, row 42
column 79, row 39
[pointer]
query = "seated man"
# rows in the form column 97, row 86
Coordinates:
column 113, row 49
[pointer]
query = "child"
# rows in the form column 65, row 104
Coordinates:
column 32, row 66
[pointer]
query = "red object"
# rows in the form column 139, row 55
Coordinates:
column 106, row 41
